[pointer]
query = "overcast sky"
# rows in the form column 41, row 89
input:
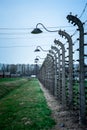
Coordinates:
column 19, row 17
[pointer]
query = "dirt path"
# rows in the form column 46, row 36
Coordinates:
column 64, row 118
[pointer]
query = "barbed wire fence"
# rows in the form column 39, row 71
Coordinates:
column 66, row 76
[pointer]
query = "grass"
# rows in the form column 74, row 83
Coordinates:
column 76, row 94
column 8, row 79
column 9, row 84
column 25, row 108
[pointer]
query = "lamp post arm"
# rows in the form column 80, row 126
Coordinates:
column 39, row 57
column 46, row 28
column 42, row 49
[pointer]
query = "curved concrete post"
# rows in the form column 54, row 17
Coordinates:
column 70, row 84
column 58, row 71
column 63, row 71
column 51, row 72
column 55, row 67
column 42, row 72
column 82, row 100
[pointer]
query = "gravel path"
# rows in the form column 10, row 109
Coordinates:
column 64, row 118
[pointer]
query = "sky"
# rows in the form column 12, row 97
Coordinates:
column 19, row 17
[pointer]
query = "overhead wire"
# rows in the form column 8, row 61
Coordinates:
column 83, row 11
column 27, row 28
column 20, row 33
column 80, row 17
column 13, row 46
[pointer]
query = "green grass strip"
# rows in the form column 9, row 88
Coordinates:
column 25, row 108
column 8, row 79
column 10, row 84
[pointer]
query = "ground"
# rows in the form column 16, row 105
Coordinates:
column 65, row 120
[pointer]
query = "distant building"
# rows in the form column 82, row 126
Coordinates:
column 7, row 74
column 16, row 70
column 1, row 74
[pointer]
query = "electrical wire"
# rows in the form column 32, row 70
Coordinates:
column 83, row 11
column 6, row 28
column 74, row 33
column 26, row 28
column 80, row 17
column 20, row 33
column 13, row 46
column 2, row 28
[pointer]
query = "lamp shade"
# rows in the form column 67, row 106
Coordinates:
column 37, row 50
column 36, row 59
column 36, row 31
